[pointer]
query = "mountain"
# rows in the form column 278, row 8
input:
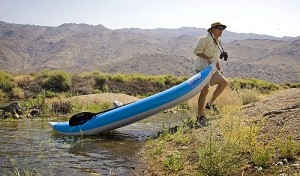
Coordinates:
column 82, row 47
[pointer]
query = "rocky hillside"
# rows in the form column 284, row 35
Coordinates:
column 82, row 47
column 272, row 60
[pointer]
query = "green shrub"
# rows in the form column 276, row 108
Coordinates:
column 220, row 157
column 105, row 88
column 57, row 81
column 38, row 103
column 6, row 81
column 100, row 81
column 173, row 162
column 158, row 149
column 18, row 93
column 287, row 147
column 260, row 85
column 98, row 107
column 292, row 85
column 261, row 156
column 2, row 94
column 173, row 80
column 119, row 78
column 39, row 77
column 159, row 83
column 50, row 94
column 177, row 135
column 96, row 91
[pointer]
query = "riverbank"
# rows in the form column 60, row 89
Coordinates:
column 259, row 138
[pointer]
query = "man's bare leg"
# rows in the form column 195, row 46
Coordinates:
column 220, row 88
column 201, row 100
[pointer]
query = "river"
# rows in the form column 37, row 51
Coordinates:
column 31, row 146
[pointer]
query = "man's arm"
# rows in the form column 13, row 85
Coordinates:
column 204, row 56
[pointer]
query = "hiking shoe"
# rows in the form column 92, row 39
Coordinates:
column 211, row 106
column 201, row 121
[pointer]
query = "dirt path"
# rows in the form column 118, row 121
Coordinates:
column 280, row 113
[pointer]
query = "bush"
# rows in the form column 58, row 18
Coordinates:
column 119, row 78
column 292, row 85
column 23, row 80
column 100, row 81
column 260, row 85
column 173, row 162
column 220, row 156
column 33, row 89
column 105, row 88
column 173, row 80
column 83, row 84
column 2, row 94
column 288, row 147
column 62, row 107
column 37, row 103
column 96, row 91
column 85, row 90
column 57, row 81
column 249, row 96
column 49, row 94
column 6, row 81
column 261, row 156
column 18, row 93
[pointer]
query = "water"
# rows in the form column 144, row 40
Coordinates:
column 31, row 145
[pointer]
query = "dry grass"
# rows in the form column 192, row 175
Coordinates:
column 227, row 98
column 227, row 146
column 249, row 95
column 23, row 80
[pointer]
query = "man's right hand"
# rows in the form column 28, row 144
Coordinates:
column 209, row 59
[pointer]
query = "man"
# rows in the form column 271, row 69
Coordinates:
column 207, row 49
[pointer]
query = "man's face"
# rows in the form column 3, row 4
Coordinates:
column 217, row 31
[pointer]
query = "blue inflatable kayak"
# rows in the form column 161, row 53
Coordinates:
column 130, row 113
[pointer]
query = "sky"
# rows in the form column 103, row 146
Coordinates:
column 271, row 17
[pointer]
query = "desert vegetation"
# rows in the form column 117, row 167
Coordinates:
column 230, row 144
column 47, row 90
column 58, row 82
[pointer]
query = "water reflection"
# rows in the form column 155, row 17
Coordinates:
column 31, row 145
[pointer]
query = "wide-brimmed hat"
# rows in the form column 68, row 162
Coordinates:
column 217, row 24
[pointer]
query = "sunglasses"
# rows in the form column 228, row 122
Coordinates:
column 219, row 27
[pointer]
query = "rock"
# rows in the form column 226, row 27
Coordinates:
column 33, row 113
